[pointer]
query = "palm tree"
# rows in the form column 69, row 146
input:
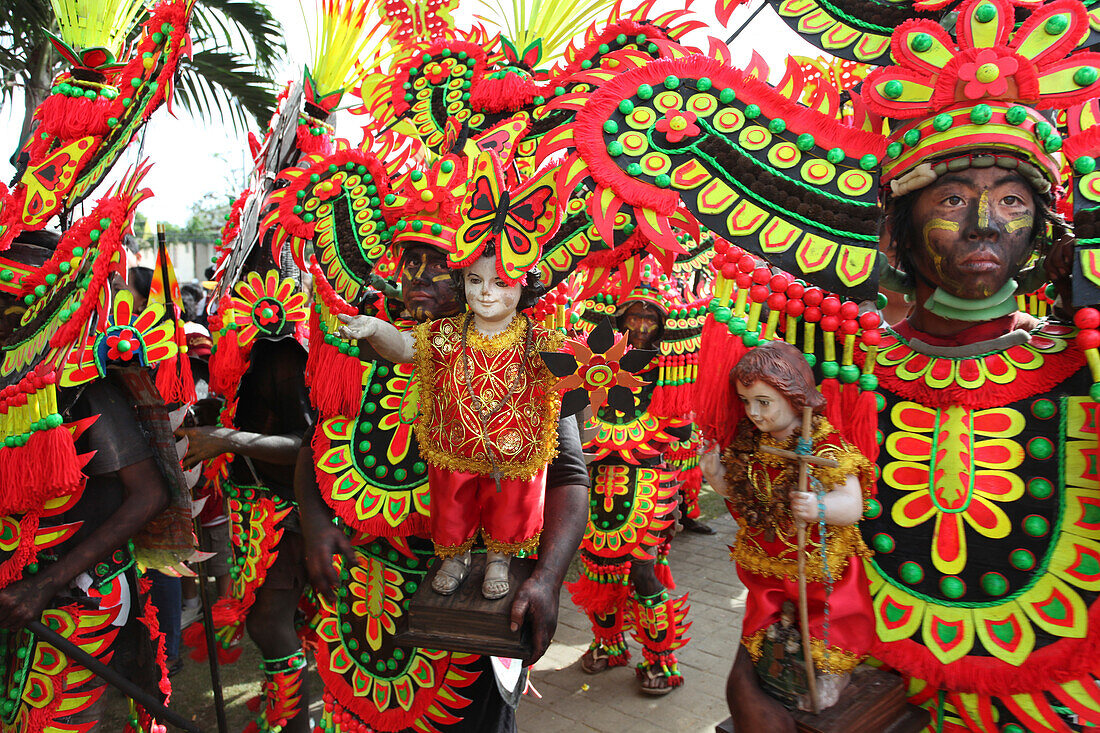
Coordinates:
column 237, row 44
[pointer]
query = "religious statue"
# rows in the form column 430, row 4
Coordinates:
column 797, row 540
column 488, row 419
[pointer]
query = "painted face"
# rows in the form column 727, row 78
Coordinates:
column 491, row 299
column 427, row 285
column 641, row 322
column 768, row 410
column 973, row 230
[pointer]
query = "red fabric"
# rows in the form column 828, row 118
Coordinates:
column 851, row 624
column 464, row 502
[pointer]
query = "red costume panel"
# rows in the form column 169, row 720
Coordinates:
column 510, row 520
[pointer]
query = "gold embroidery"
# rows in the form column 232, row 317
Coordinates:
column 839, row 661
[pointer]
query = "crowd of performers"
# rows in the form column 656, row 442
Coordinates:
column 559, row 279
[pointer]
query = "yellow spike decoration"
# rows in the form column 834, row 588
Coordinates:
column 551, row 22
column 88, row 24
column 342, row 39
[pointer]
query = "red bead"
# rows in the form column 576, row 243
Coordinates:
column 869, row 320
column 830, row 323
column 830, row 306
column 795, row 307
column 720, row 246
column 759, row 293
column 795, row 290
column 1088, row 339
column 849, row 326
column 1087, row 318
column 813, row 296
column 812, row 314
column 747, row 263
column 779, row 283
column 718, row 261
column 734, row 252
column 761, row 275
column 872, row 337
column 744, row 279
column 776, row 301
column 729, row 271
column 849, row 310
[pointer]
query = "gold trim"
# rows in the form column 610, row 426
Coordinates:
column 446, row 551
column 511, row 548
column 839, row 661
column 841, row 544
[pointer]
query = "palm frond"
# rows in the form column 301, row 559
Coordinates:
column 224, row 86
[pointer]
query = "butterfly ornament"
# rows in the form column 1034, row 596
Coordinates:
column 513, row 222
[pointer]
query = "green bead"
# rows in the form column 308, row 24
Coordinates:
column 614, row 148
column 604, row 48
column 1043, row 130
column 1040, row 448
column 941, row 122
column 1016, row 115
column 873, row 510
column 1022, row 559
column 626, row 106
column 1084, row 76
column 645, row 91
column 611, row 127
column 1052, row 144
column 726, row 96
column 868, row 162
column 634, row 169
column 1012, row 728
column 883, row 543
column 420, row 467
column 663, row 180
column 1036, row 526
column 911, row 137
column 911, row 572
column 952, row 586
column 750, row 338
column 364, row 446
column 893, row 89
column 868, row 382
column 777, row 126
column 835, row 155
column 40, row 290
column 672, row 82
column 994, row 584
column 369, row 460
column 1084, row 164
column 94, row 235
column 7, row 275
column 894, row 149
column 849, row 373
column 112, row 121
column 985, row 13
column 981, row 114
column 1055, row 25
column 400, row 474
column 1094, row 392
column 752, row 111
column 704, row 84
column 920, row 42
column 1043, row 408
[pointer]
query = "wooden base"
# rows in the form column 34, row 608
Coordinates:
column 466, row 621
column 873, row 701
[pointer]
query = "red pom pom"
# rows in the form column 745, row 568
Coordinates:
column 779, row 283
column 744, row 280
column 761, row 275
column 729, row 271
column 759, row 293
column 795, row 307
column 812, row 314
column 830, row 306
column 1088, row 339
column 872, row 337
column 849, row 310
column 849, row 326
column 795, row 290
column 869, row 320
column 813, row 296
column 830, row 323
column 1087, row 318
column 747, row 263
column 776, row 301
column 721, row 246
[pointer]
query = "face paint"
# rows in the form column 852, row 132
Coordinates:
column 983, row 211
column 427, row 286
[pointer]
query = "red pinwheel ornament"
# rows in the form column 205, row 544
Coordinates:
column 599, row 372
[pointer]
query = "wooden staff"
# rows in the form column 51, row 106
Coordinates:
column 804, row 462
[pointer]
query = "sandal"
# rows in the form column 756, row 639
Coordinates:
column 648, row 677
column 595, row 660
column 494, row 588
column 451, row 574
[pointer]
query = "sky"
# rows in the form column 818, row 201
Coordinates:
column 193, row 157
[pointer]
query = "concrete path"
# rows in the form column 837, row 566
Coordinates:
column 611, row 702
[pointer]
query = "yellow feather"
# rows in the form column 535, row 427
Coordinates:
column 553, row 21
column 88, row 24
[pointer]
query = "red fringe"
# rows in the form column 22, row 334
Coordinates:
column 25, row 553
column 509, row 94
column 834, row 409
column 50, row 458
column 717, row 411
column 149, row 618
column 175, row 382
column 862, row 428
column 598, row 598
column 1057, row 663
column 664, row 573
column 691, row 483
column 310, row 144
column 335, row 380
column 228, row 365
column 72, row 118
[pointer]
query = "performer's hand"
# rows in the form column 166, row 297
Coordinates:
column 24, row 601
column 804, row 507
column 356, row 327
column 203, row 443
column 322, row 541
column 537, row 599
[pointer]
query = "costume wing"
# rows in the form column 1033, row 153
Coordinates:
column 783, row 181
column 479, row 210
column 532, row 216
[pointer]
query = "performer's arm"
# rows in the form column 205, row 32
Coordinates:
column 321, row 537
column 209, row 442
column 565, row 514
column 385, row 338
column 145, row 496
column 843, row 505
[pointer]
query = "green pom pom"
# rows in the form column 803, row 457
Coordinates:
column 868, row 162
column 645, row 91
column 920, row 42
column 1043, row 130
column 614, row 148
column 811, row 359
column 981, row 114
column 611, row 127
column 777, row 126
column 835, row 156
column 985, row 13
column 634, row 169
column 1016, row 115
column 942, row 122
column 726, row 96
column 911, row 137
column 1055, row 25
column 626, row 106
column 1084, row 76
column 750, row 338
column 892, row 89
column 704, row 84
column 1052, row 143
column 672, row 82
column 804, row 142
column 737, row 326
column 721, row 313
column 849, row 373
column 868, row 382
column 894, row 149
column 752, row 111
column 1084, row 164
column 663, row 180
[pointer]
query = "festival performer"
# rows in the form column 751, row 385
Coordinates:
column 626, row 541
column 980, row 592
column 489, row 417
column 774, row 384
column 75, row 380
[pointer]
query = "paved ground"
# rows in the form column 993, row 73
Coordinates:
column 610, row 702
column 572, row 701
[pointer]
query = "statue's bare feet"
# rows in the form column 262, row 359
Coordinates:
column 496, row 584
column 753, row 709
column 451, row 574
